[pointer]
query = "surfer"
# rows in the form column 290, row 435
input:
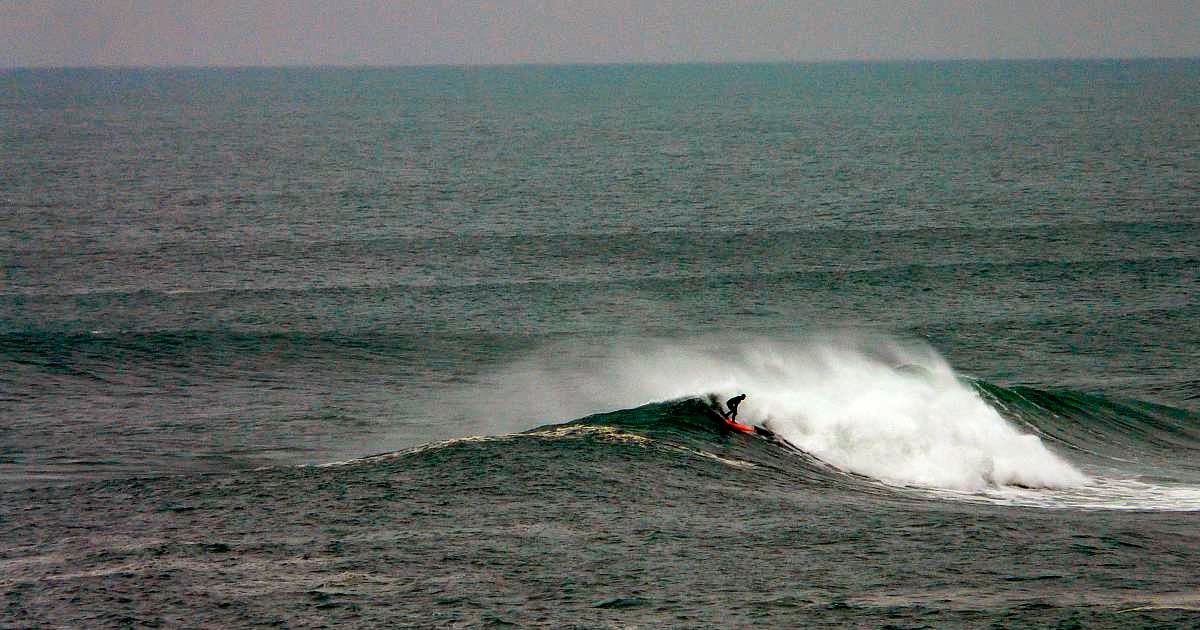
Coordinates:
column 733, row 403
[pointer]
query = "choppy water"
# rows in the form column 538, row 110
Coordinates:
column 962, row 295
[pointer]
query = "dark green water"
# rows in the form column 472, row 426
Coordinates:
column 209, row 271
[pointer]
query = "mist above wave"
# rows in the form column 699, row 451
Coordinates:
column 889, row 409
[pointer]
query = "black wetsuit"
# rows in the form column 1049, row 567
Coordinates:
column 733, row 403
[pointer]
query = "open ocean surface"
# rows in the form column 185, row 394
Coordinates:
column 433, row 347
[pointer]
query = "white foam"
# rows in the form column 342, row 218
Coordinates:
column 843, row 400
column 1100, row 493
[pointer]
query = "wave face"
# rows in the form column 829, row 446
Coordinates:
column 889, row 413
column 1107, row 430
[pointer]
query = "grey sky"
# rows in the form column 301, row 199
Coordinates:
column 374, row 32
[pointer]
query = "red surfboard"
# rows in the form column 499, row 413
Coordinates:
column 744, row 428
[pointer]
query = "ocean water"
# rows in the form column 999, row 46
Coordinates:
column 437, row 347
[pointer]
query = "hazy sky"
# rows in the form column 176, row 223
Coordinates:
column 375, row 32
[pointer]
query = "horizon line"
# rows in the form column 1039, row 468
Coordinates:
column 568, row 64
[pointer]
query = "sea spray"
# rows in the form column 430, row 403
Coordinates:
column 890, row 409
column 915, row 425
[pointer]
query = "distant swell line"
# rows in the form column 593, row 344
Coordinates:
column 1184, row 262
